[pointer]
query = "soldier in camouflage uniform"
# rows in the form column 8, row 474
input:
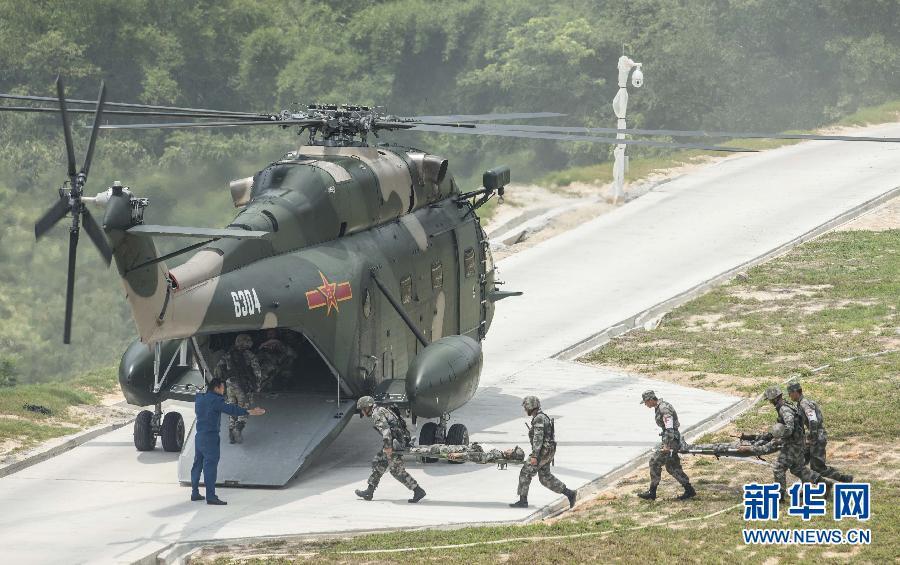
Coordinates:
column 791, row 457
column 816, row 438
column 395, row 437
column 543, row 449
column 667, row 452
column 472, row 453
column 276, row 359
column 240, row 368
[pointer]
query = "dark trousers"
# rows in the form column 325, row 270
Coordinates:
column 206, row 459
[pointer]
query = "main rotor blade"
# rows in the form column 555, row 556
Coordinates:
column 98, row 115
column 53, row 214
column 125, row 105
column 181, row 125
column 67, row 132
column 96, row 234
column 688, row 133
column 149, row 113
column 489, row 117
column 568, row 137
column 70, row 286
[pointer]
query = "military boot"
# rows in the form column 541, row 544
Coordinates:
column 522, row 502
column 570, row 494
column 367, row 494
column 649, row 495
column 844, row 478
column 239, row 433
column 689, row 492
column 230, row 435
column 418, row 494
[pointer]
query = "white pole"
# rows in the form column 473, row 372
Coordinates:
column 620, row 107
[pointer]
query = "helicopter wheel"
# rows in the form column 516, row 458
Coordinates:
column 172, row 432
column 144, row 438
column 426, row 437
column 457, row 435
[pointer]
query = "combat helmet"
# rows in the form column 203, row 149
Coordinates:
column 772, row 393
column 365, row 402
column 243, row 341
column 531, row 403
column 648, row 395
column 778, row 430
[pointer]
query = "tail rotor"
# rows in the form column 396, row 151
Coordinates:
column 70, row 200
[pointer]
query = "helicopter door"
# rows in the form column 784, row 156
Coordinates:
column 468, row 247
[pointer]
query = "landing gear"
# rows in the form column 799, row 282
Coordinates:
column 150, row 425
column 457, row 435
column 172, row 432
column 144, row 438
column 436, row 433
column 428, row 436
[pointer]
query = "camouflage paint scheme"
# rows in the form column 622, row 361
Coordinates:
column 335, row 214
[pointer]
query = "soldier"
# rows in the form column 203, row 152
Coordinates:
column 276, row 359
column 473, row 453
column 543, row 449
column 791, row 455
column 667, row 452
column 816, row 438
column 395, row 436
column 239, row 367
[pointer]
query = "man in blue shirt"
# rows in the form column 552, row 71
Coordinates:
column 209, row 408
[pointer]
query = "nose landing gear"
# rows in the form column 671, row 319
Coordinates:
column 150, row 425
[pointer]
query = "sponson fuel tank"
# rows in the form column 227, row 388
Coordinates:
column 443, row 376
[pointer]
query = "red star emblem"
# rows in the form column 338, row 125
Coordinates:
column 328, row 294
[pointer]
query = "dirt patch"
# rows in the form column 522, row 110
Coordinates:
column 885, row 217
column 780, row 293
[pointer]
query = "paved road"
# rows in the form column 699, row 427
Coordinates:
column 103, row 502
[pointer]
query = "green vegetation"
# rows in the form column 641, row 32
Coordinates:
column 26, row 427
column 734, row 64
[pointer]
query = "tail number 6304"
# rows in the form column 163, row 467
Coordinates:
column 246, row 303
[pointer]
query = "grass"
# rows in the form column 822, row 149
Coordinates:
column 28, row 428
column 829, row 299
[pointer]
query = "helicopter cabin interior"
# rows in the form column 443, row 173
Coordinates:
column 294, row 362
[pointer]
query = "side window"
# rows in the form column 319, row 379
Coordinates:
column 406, row 290
column 367, row 304
column 469, row 262
column 437, row 275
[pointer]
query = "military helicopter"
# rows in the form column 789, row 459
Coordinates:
column 369, row 259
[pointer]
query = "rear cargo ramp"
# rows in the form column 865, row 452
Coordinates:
column 280, row 444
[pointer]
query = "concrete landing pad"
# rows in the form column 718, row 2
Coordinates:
column 103, row 502
column 296, row 427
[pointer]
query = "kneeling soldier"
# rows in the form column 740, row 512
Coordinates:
column 543, row 449
column 816, row 438
column 667, row 452
column 393, row 433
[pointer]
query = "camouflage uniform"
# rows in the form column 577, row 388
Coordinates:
column 792, row 454
column 811, row 417
column 666, row 454
column 388, row 425
column 240, row 368
column 276, row 359
column 543, row 448
column 473, row 453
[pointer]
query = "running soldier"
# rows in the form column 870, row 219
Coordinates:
column 395, row 437
column 816, row 438
column 276, row 359
column 543, row 449
column 239, row 367
column 791, row 457
column 666, row 454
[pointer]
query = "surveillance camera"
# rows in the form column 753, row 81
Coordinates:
column 637, row 78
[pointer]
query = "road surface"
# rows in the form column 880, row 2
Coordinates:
column 104, row 502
